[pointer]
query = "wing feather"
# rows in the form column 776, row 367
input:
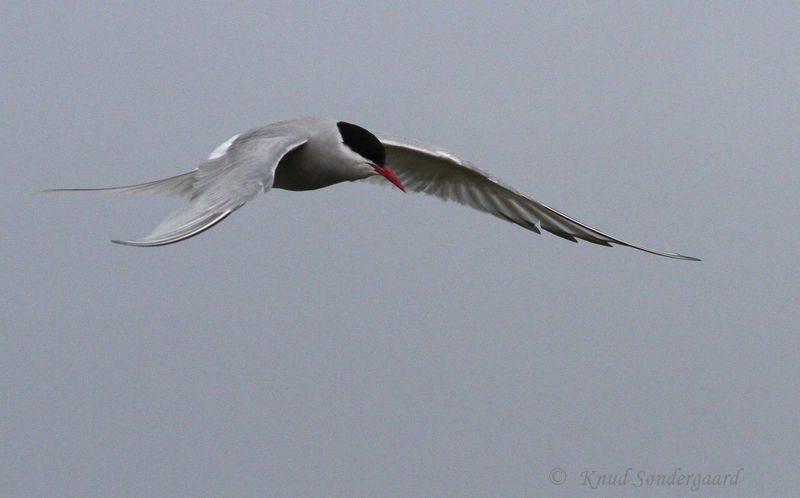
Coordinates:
column 235, row 172
column 223, row 184
column 430, row 170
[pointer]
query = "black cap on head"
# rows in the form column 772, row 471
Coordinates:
column 362, row 142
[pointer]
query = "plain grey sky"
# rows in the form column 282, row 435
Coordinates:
column 356, row 341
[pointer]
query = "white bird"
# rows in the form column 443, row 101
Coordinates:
column 311, row 153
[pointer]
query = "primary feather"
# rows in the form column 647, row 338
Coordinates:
column 431, row 170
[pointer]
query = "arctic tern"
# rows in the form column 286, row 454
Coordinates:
column 312, row 153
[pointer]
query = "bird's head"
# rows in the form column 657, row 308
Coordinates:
column 367, row 146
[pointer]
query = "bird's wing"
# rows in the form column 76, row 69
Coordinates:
column 430, row 170
column 222, row 185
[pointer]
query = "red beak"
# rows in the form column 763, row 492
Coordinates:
column 389, row 175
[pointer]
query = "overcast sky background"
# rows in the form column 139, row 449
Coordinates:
column 356, row 341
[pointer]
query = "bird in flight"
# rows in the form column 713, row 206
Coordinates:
column 312, row 153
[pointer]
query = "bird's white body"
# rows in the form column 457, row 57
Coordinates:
column 322, row 161
column 312, row 153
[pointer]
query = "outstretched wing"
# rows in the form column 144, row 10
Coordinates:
column 223, row 184
column 430, row 170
